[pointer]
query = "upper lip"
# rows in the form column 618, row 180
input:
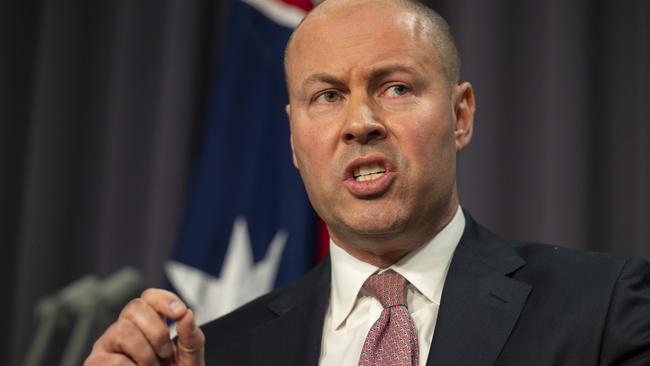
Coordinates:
column 367, row 160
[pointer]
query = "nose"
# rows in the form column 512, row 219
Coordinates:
column 362, row 126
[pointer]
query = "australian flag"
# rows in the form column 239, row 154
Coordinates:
column 248, row 225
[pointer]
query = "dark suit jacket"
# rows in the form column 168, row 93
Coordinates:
column 503, row 303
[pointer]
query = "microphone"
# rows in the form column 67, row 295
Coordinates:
column 111, row 293
column 55, row 312
column 80, row 305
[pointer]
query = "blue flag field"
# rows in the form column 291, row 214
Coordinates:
column 248, row 225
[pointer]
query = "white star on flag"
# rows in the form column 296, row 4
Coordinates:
column 240, row 280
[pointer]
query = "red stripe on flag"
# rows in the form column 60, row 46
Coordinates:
column 305, row 5
column 323, row 241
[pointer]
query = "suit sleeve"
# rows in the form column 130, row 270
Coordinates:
column 626, row 336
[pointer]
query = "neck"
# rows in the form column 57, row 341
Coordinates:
column 385, row 250
column 383, row 260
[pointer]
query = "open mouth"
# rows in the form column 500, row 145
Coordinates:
column 369, row 177
column 369, row 172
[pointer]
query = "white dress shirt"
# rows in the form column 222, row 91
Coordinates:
column 352, row 312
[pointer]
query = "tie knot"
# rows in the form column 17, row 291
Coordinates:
column 388, row 287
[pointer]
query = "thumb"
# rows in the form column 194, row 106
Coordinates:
column 190, row 343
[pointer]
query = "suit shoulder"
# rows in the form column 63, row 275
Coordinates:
column 566, row 261
column 551, row 257
column 242, row 318
column 552, row 267
column 605, row 294
column 533, row 252
column 567, row 273
column 264, row 308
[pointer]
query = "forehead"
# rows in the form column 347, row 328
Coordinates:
column 359, row 34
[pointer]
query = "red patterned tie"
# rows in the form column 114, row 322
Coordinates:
column 393, row 339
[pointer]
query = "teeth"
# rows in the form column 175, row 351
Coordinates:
column 369, row 172
column 372, row 176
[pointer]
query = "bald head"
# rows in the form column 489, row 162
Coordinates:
column 436, row 29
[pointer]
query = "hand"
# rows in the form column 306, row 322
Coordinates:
column 140, row 335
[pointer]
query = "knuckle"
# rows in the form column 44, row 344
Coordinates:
column 196, row 345
column 200, row 337
column 123, row 330
column 98, row 345
column 92, row 360
column 106, row 359
column 106, row 341
column 117, row 361
column 159, row 341
column 200, row 340
column 134, row 306
column 155, row 293
column 137, row 303
column 150, row 292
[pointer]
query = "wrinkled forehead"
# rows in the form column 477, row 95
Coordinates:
column 331, row 30
column 335, row 18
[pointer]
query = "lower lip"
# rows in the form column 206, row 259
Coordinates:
column 369, row 188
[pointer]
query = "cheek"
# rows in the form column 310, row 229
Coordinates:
column 425, row 127
column 428, row 144
column 311, row 150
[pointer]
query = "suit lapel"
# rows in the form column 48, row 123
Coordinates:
column 480, row 303
column 479, row 308
column 294, row 336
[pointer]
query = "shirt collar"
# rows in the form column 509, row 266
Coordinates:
column 425, row 268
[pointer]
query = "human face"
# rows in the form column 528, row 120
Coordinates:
column 375, row 125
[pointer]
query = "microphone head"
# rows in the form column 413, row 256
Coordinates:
column 119, row 287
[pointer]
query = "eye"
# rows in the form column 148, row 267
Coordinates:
column 397, row 90
column 329, row 96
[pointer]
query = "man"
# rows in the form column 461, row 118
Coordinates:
column 377, row 117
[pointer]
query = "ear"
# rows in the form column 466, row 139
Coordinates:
column 464, row 108
column 293, row 151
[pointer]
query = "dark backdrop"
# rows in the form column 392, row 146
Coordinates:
column 101, row 105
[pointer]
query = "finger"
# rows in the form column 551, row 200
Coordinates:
column 123, row 337
column 151, row 324
column 191, row 341
column 165, row 303
column 108, row 359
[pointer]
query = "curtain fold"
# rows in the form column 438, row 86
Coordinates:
column 106, row 134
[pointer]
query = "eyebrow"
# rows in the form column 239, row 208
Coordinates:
column 320, row 78
column 376, row 74
column 384, row 71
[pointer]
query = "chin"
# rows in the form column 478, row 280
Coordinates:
column 373, row 225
